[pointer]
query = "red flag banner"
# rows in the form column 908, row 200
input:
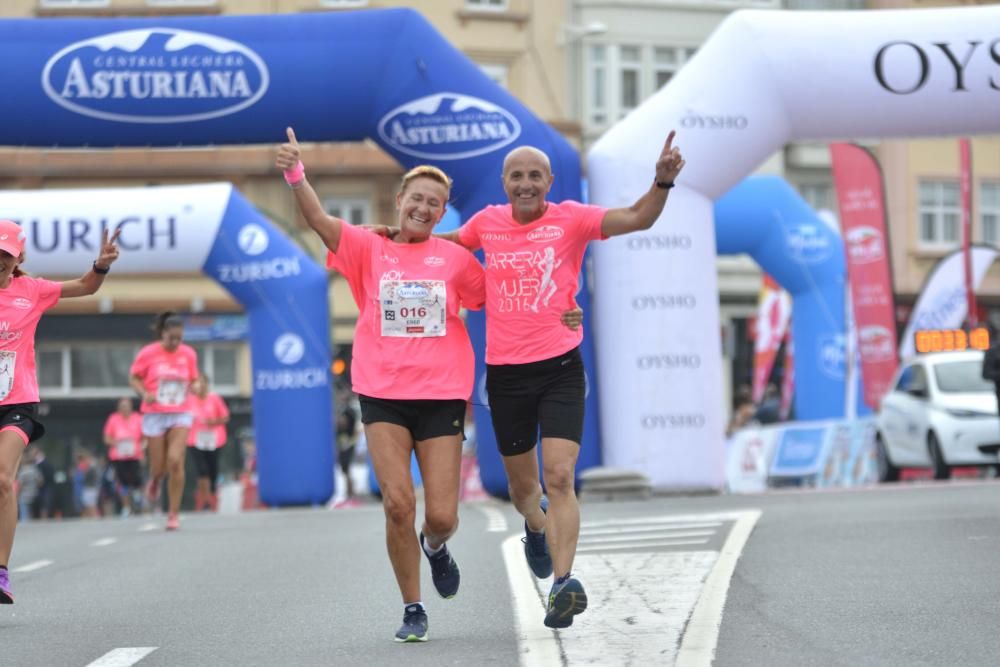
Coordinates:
column 858, row 183
column 965, row 181
column 773, row 310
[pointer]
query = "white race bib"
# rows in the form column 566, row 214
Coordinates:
column 125, row 449
column 205, row 441
column 171, row 392
column 7, row 359
column 413, row 308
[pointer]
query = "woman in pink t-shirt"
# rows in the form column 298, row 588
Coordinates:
column 123, row 437
column 206, row 438
column 162, row 374
column 413, row 365
column 23, row 300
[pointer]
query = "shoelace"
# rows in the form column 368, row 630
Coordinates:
column 441, row 563
column 535, row 542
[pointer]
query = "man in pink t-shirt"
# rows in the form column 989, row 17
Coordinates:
column 534, row 373
column 23, row 300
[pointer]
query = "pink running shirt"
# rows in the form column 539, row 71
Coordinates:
column 410, row 342
column 167, row 376
column 532, row 275
column 202, row 436
column 127, row 436
column 21, row 306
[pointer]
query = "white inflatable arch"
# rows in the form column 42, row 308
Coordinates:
column 762, row 80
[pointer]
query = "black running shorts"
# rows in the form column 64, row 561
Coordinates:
column 22, row 416
column 544, row 396
column 424, row 419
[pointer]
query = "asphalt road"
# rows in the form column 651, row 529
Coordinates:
column 897, row 576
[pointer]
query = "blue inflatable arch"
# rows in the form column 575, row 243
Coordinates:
column 385, row 75
column 766, row 218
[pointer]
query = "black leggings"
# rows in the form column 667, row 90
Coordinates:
column 207, row 464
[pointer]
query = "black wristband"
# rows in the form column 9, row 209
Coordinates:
column 664, row 185
column 99, row 271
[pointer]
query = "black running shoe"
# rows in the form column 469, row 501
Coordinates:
column 565, row 601
column 414, row 625
column 536, row 549
column 444, row 571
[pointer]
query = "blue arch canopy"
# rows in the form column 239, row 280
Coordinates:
column 384, row 75
column 766, row 218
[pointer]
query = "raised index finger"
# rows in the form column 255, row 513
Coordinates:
column 114, row 237
column 291, row 135
column 670, row 142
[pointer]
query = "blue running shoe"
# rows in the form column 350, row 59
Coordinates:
column 414, row 627
column 444, row 571
column 566, row 600
column 536, row 549
column 6, row 597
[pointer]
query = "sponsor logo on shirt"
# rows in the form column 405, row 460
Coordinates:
column 434, row 261
column 389, row 259
column 413, row 292
column 545, row 234
column 155, row 75
column 448, row 126
column 495, row 236
column 6, row 335
column 22, row 303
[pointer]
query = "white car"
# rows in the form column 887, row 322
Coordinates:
column 939, row 414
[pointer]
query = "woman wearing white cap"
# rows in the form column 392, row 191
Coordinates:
column 23, row 300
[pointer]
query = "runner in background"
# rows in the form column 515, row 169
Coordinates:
column 206, row 438
column 23, row 300
column 162, row 374
column 123, row 437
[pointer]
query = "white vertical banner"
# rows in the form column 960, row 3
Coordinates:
column 658, row 347
column 942, row 303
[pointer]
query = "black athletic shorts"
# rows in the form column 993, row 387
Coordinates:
column 206, row 463
column 128, row 473
column 544, row 395
column 425, row 419
column 22, row 416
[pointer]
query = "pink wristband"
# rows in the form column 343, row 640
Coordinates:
column 295, row 174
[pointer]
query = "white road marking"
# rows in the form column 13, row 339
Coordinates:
column 637, row 545
column 104, row 542
column 146, row 527
column 702, row 634
column 538, row 645
column 642, row 603
column 496, row 522
column 34, row 565
column 123, row 657
column 585, row 538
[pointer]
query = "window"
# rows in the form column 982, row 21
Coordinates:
column 488, row 5
column 181, row 3
column 989, row 212
column 75, row 4
column 665, row 65
column 630, row 61
column 495, row 71
column 218, row 362
column 598, row 83
column 354, row 210
column 87, row 370
column 818, row 195
column 939, row 213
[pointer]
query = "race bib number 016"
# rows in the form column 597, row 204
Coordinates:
column 413, row 308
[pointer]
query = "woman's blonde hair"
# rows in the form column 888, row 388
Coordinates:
column 425, row 171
